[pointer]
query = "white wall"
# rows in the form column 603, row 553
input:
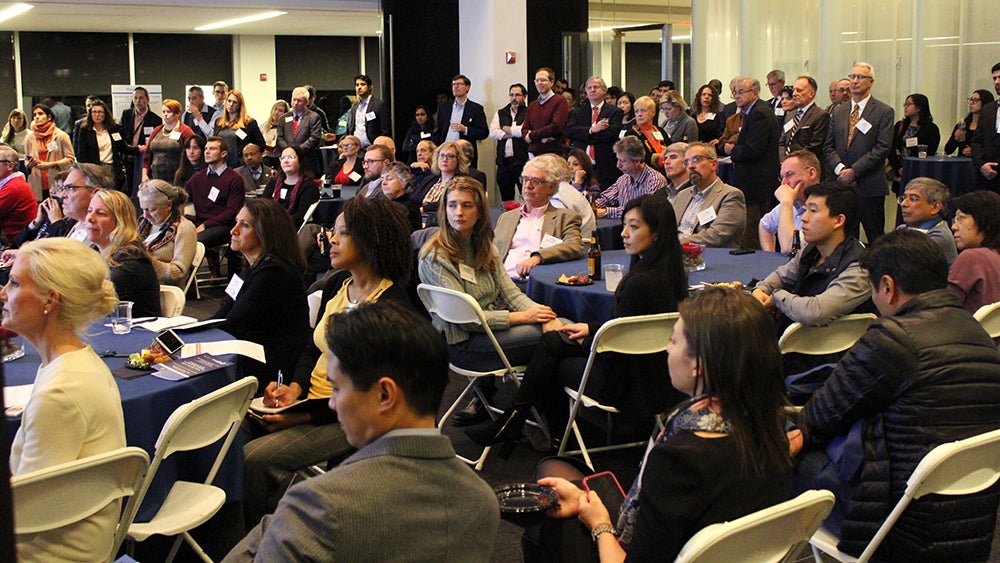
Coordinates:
column 253, row 55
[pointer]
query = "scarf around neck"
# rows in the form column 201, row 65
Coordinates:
column 44, row 134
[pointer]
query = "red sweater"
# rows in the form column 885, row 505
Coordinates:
column 17, row 205
column 546, row 121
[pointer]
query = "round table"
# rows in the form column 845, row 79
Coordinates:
column 956, row 172
column 594, row 303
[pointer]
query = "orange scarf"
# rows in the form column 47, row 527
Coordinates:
column 647, row 131
column 43, row 135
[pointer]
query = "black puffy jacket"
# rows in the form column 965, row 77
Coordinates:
column 927, row 375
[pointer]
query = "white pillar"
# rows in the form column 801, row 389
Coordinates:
column 253, row 58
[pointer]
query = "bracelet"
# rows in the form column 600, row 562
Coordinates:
column 601, row 529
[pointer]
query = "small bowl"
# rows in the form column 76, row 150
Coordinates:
column 525, row 504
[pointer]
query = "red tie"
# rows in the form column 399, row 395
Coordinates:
column 295, row 125
column 593, row 120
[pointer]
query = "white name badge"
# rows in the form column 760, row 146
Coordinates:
column 657, row 135
column 174, row 136
column 710, row 116
column 467, row 273
column 549, row 240
column 213, row 194
column 284, row 193
column 241, row 134
column 116, row 137
column 788, row 125
column 424, row 135
column 289, row 119
column 147, row 131
column 354, row 176
column 370, row 116
column 779, row 112
column 234, row 287
column 52, row 146
column 911, row 141
column 621, row 134
column 863, row 126
column 706, row 216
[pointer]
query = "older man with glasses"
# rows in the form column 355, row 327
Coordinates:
column 637, row 179
column 710, row 212
column 17, row 200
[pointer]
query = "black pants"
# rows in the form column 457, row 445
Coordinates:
column 509, row 176
column 546, row 375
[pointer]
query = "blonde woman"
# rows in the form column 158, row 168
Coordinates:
column 237, row 128
column 270, row 132
column 16, row 130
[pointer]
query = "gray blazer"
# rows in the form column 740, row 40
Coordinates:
column 308, row 136
column 867, row 153
column 400, row 498
column 561, row 223
column 726, row 230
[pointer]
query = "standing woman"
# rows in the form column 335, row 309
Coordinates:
column 348, row 170
column 917, row 124
column 270, row 132
column 421, row 128
column 237, row 128
column 165, row 145
column 962, row 134
column 680, row 127
column 16, row 130
column 113, row 229
column 169, row 237
column 708, row 115
column 193, row 160
column 625, row 103
column 47, row 150
column 266, row 302
column 654, row 139
column 294, row 188
column 101, row 142
column 74, row 410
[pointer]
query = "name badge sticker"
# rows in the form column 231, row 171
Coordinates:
column 147, row 131
column 863, row 126
column 289, row 119
column 52, row 146
column 657, row 135
column 116, row 136
column 370, row 116
column 467, row 273
column 174, row 136
column 354, row 176
column 241, row 134
column 213, row 194
column 284, row 193
column 788, row 125
column 911, row 141
column 706, row 216
column 549, row 240
column 234, row 287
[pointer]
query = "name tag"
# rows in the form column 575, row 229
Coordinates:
column 706, row 216
column 788, row 125
column 234, row 287
column 779, row 112
column 657, row 135
column 52, row 146
column 116, row 137
column 621, row 134
column 370, row 116
column 863, row 126
column 911, row 141
column 710, row 116
column 467, row 273
column 241, row 134
column 174, row 136
column 424, row 135
column 289, row 119
column 549, row 240
column 284, row 193
column 354, row 176
column 213, row 194
column 147, row 131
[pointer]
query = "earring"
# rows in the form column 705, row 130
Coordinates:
column 45, row 311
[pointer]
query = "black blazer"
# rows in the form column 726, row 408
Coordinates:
column 755, row 154
column 87, row 151
column 373, row 127
column 986, row 145
column 578, row 131
column 474, row 117
column 927, row 134
column 149, row 122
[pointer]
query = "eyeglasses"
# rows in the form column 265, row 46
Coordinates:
column 912, row 198
column 696, row 159
column 974, row 99
column 347, row 145
column 285, row 157
column 858, row 77
column 533, row 181
column 71, row 187
column 447, row 156
column 773, row 84
column 739, row 92
column 366, row 161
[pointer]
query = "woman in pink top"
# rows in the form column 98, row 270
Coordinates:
column 975, row 275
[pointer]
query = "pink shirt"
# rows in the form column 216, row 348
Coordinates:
column 975, row 277
column 527, row 239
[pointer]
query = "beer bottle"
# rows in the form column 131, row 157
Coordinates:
column 594, row 258
column 796, row 244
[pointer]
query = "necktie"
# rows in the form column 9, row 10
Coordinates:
column 855, row 116
column 295, row 125
column 791, row 133
column 593, row 120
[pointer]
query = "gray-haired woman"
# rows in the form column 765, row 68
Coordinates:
column 168, row 236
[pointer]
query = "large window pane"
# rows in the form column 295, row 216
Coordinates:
column 8, row 99
column 174, row 60
column 72, row 65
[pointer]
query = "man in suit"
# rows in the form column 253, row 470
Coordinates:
column 985, row 142
column 709, row 212
column 369, row 116
column 805, row 128
column 403, row 491
column 137, row 124
column 857, row 144
column 593, row 127
column 840, row 91
column 255, row 174
column 301, row 127
column 198, row 115
column 512, row 151
column 545, row 124
column 754, row 155
column 775, row 83
column 376, row 157
column 461, row 118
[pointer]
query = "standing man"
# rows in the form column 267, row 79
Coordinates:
column 137, row 125
column 985, row 142
column 545, row 123
column 755, row 155
column 461, row 118
column 301, row 127
column 593, row 127
column 220, row 90
column 840, row 91
column 775, row 83
column 198, row 115
column 858, row 142
column 217, row 193
column 778, row 227
column 805, row 128
column 369, row 116
column 512, row 150
column 710, row 212
column 255, row 174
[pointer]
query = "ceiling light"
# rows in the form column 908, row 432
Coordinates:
column 238, row 21
column 13, row 11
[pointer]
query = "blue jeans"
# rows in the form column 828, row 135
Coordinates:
column 477, row 353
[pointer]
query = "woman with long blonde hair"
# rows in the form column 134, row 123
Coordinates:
column 237, row 128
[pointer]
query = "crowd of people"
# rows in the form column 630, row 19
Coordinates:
column 924, row 373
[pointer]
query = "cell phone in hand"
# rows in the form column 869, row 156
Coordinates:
column 606, row 485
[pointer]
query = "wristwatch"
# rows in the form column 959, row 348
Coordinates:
column 603, row 529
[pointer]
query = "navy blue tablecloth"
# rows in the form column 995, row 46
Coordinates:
column 609, row 234
column 956, row 172
column 147, row 402
column 327, row 211
column 594, row 303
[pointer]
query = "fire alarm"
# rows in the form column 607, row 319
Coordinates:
column 510, row 57
column 263, row 77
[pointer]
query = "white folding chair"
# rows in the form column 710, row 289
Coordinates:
column 194, row 425
column 776, row 533
column 459, row 308
column 835, row 337
column 60, row 495
column 956, row 468
column 172, row 300
column 199, row 256
column 989, row 317
column 643, row 334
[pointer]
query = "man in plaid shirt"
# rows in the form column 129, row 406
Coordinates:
column 637, row 179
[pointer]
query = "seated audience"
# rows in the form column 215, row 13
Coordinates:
column 709, row 212
column 266, row 302
column 113, row 229
column 675, row 171
column 537, row 233
column 294, row 188
column 723, row 453
column 779, row 226
column 924, row 207
column 644, row 128
column 975, row 275
column 192, row 161
column 348, row 170
column 470, row 152
column 397, row 186
column 167, row 234
column 638, row 178
column 17, row 202
column 924, row 374
column 582, row 169
column 217, row 193
column 370, row 248
column 449, row 162
column 256, row 175
column 567, row 197
column 404, row 494
column 74, row 410
column 65, row 218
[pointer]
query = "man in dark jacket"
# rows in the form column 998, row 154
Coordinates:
column 924, row 374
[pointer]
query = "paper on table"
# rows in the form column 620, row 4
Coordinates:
column 163, row 323
column 241, row 347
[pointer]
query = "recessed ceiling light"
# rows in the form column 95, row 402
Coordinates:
column 238, row 21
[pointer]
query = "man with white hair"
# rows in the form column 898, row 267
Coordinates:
column 302, row 127
column 593, row 127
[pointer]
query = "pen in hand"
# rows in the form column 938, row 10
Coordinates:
column 276, row 396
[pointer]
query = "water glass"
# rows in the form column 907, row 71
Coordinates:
column 121, row 318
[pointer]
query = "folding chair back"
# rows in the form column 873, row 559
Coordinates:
column 989, row 317
column 776, row 533
column 172, row 300
column 57, row 496
column 836, row 337
column 199, row 256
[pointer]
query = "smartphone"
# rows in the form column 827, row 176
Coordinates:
column 740, row 251
column 606, row 485
column 169, row 342
column 256, row 416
